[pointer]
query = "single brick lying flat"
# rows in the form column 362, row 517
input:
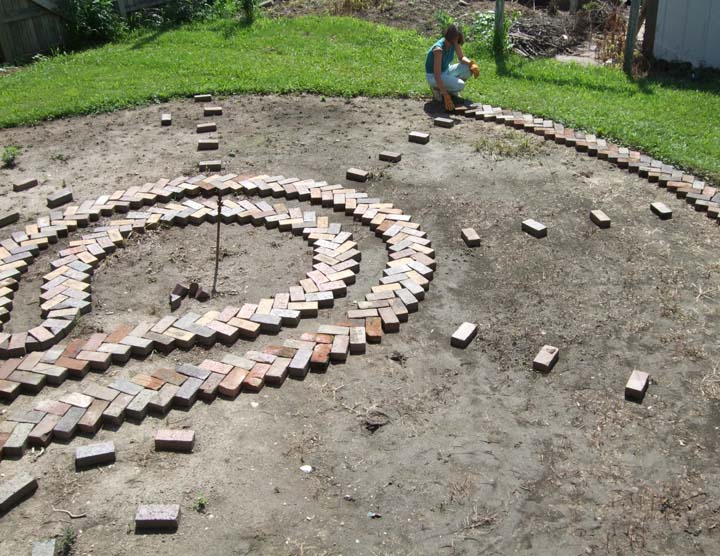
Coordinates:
column 213, row 111
column 355, row 174
column 208, row 145
column 546, row 358
column 166, row 119
column 465, row 334
column 636, row 386
column 661, row 210
column 390, row 156
column 600, row 219
column 203, row 98
column 206, row 127
column 210, row 165
column 45, row 548
column 25, row 184
column 15, row 490
column 419, row 137
column 444, row 122
column 534, row 228
column 164, row 517
column 59, row 198
column 470, row 237
column 182, row 440
column 7, row 218
column 95, row 454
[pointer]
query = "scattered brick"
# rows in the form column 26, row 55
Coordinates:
column 636, row 386
column 444, row 122
column 210, row 165
column 7, row 218
column 373, row 330
column 203, row 98
column 534, row 228
column 208, row 145
column 178, row 440
column 59, row 198
column 25, row 184
column 17, row 441
column 355, row 174
column 470, row 237
column 15, row 490
column 213, row 111
column 102, row 453
column 546, row 358
column 164, row 517
column 419, row 137
column 600, row 219
column 166, row 119
column 206, row 127
column 390, row 156
column 465, row 334
column 661, row 210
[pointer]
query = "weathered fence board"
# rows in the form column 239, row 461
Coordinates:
column 29, row 27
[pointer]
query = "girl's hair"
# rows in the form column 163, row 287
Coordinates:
column 453, row 32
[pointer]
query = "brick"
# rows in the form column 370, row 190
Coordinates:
column 636, row 386
column 22, row 416
column 101, row 453
column 210, row 165
column 65, row 427
column 15, row 490
column 465, row 334
column 278, row 371
column 43, row 431
column 53, row 407
column 7, row 218
column 390, row 156
column 300, row 363
column 140, row 347
column 25, row 184
column 213, row 111
column 188, row 392
column 232, row 382
column 444, row 122
column 119, row 353
column 15, row 444
column 470, row 237
column 269, row 324
column 59, row 198
column 355, row 174
column 661, row 210
column 546, row 358
column 206, row 127
column 98, row 361
column 208, row 145
column 600, row 219
column 29, row 382
column 114, row 413
column 357, row 340
column 169, row 375
column 373, row 330
column 47, row 547
column 192, row 371
column 255, row 379
column 203, row 97
column 209, row 388
column 419, row 137
column 76, row 368
column 147, row 381
column 320, row 357
column 162, row 402
column 534, row 228
column 339, row 348
column 92, row 419
column 333, row 330
column 166, row 119
column 177, row 440
column 165, row 517
column 138, row 408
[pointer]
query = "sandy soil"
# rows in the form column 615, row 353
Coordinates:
column 477, row 454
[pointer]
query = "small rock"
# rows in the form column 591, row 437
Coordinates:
column 306, row 468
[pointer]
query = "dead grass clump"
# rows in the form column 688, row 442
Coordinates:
column 509, row 145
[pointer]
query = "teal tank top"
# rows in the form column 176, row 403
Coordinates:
column 447, row 56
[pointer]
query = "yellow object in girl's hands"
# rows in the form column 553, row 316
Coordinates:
column 474, row 69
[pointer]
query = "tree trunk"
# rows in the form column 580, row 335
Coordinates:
column 631, row 36
column 499, row 38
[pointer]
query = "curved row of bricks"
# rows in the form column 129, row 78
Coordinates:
column 407, row 276
column 704, row 197
column 30, row 372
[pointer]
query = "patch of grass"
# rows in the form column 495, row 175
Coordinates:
column 509, row 144
column 672, row 119
column 67, row 541
column 200, row 504
column 9, row 154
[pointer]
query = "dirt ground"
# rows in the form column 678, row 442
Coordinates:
column 477, row 454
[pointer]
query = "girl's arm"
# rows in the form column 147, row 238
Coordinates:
column 437, row 70
column 461, row 55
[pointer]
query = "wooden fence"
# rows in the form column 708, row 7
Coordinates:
column 29, row 27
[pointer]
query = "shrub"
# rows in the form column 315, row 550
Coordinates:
column 443, row 20
column 249, row 9
column 91, row 21
column 482, row 30
column 9, row 154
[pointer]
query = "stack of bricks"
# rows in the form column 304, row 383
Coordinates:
column 336, row 260
column 700, row 195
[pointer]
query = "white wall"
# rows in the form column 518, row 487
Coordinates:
column 688, row 31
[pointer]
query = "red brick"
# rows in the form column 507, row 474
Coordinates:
column 373, row 330
column 182, row 440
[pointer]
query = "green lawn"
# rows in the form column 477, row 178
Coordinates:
column 676, row 121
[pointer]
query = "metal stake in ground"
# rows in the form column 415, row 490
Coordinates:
column 217, row 244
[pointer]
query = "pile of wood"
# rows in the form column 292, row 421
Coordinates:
column 539, row 35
